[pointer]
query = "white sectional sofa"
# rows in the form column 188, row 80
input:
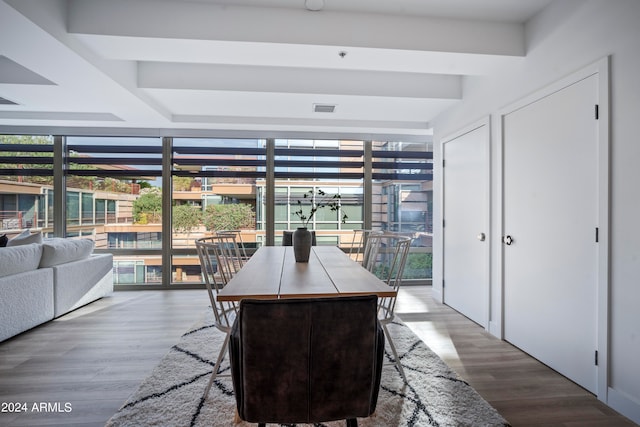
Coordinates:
column 42, row 281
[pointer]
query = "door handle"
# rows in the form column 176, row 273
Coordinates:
column 481, row 237
column 507, row 240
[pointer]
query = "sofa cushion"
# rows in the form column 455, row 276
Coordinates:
column 18, row 259
column 25, row 238
column 62, row 251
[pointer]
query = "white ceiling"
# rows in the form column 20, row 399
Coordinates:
column 249, row 64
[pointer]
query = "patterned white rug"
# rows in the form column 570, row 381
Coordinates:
column 433, row 396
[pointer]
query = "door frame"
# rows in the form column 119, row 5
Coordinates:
column 601, row 69
column 485, row 122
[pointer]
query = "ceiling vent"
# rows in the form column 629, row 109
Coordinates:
column 323, row 108
column 5, row 101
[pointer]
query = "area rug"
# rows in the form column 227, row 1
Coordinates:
column 433, row 396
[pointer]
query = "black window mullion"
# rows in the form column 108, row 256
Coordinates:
column 318, row 164
column 306, row 152
column 426, row 155
column 217, row 162
column 29, row 148
column 33, row 161
column 403, row 176
column 26, row 172
column 29, row 160
column 116, row 149
column 221, row 174
column 115, row 160
column 134, row 173
column 319, row 175
column 401, row 165
column 253, row 151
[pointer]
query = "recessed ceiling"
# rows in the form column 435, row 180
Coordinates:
column 13, row 73
column 7, row 101
column 250, row 65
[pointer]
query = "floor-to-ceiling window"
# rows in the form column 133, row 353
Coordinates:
column 213, row 189
column 113, row 193
column 403, row 199
column 311, row 167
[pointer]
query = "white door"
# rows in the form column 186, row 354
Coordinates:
column 465, row 213
column 550, row 218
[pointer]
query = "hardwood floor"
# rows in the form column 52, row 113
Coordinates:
column 95, row 357
column 523, row 390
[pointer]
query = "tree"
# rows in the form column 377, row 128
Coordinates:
column 185, row 218
column 148, row 207
column 182, row 183
column 144, row 184
column 228, row 217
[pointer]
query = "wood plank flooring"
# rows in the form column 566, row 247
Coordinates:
column 95, row 357
column 523, row 390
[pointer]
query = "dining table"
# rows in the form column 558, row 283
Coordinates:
column 272, row 272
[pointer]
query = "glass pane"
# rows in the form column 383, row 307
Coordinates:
column 73, row 208
column 324, row 226
column 87, row 207
column 115, row 184
column 214, row 189
column 318, row 160
column 101, row 211
column 26, row 184
column 404, row 203
column 326, row 214
column 137, row 269
column 280, row 212
column 327, row 240
column 313, row 165
column 353, row 212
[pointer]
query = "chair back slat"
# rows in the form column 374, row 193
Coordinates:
column 386, row 256
column 359, row 244
column 219, row 261
column 239, row 243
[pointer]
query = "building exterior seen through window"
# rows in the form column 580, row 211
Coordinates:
column 113, row 194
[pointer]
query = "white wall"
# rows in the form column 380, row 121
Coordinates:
column 564, row 38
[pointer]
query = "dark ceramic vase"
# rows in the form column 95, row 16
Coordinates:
column 302, row 244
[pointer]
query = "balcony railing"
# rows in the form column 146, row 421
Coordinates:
column 17, row 220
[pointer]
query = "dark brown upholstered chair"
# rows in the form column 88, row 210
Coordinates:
column 287, row 238
column 307, row 360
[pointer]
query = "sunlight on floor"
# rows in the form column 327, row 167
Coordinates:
column 413, row 308
column 436, row 339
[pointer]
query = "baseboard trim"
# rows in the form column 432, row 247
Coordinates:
column 625, row 404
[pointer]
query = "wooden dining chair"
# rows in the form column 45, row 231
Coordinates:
column 218, row 265
column 386, row 256
column 291, row 363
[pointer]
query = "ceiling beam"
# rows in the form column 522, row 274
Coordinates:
column 206, row 21
column 153, row 75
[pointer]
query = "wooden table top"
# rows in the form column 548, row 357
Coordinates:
column 272, row 272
